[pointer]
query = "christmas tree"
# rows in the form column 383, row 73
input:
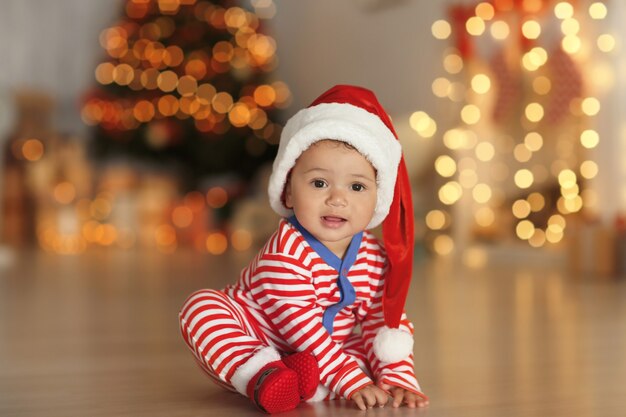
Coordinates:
column 186, row 85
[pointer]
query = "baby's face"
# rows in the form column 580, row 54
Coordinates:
column 332, row 190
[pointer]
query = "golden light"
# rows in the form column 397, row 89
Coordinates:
column 445, row 166
column 538, row 239
column 167, row 81
column 205, row 93
column 187, row 86
column 485, row 11
column 453, row 63
column 521, row 209
column 563, row 10
column 523, row 178
column 590, row 106
column 168, row 105
column 470, row 114
column 573, row 205
column 536, row 201
column 264, row 95
column 258, row 119
column 525, row 229
column 144, row 111
column 123, row 74
column 475, row 258
column 534, row 112
column 468, row 178
column 104, row 73
column 535, row 58
column 554, row 236
column 222, row 102
column 32, row 150
column 223, row 51
column 570, row 27
column 597, row 10
column 239, row 115
column 571, row 44
column 236, row 17
column 542, row 85
column 450, row 193
column 149, row 77
column 241, row 240
column 216, row 243
column 567, row 178
column 481, row 193
column 173, row 56
column 570, row 192
column 443, row 245
column 454, row 139
column 423, row 124
column 522, row 153
column 531, row 29
column 440, row 87
column 588, row 169
column 589, row 138
column 195, row 201
column 182, row 217
column 217, row 197
column 485, row 151
column 606, row 42
column 500, row 30
column 441, row 29
column 64, row 192
column 533, row 141
column 481, row 83
column 484, row 216
column 436, row 220
column 475, row 26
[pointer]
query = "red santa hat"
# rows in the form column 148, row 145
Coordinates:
column 353, row 115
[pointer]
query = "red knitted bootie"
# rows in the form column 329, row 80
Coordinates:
column 305, row 365
column 274, row 388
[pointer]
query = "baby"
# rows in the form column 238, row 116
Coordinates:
column 319, row 312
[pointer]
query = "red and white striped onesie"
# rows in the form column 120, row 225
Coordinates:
column 296, row 295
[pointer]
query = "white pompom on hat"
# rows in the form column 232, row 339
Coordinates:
column 353, row 115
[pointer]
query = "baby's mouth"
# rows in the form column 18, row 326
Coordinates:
column 333, row 221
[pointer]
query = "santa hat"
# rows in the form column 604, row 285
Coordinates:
column 353, row 115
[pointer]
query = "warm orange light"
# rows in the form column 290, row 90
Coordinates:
column 241, row 240
column 32, row 150
column 64, row 192
column 182, row 216
column 143, row 111
column 216, row 243
column 264, row 95
column 217, row 197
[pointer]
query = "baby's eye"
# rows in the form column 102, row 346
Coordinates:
column 319, row 183
column 358, row 187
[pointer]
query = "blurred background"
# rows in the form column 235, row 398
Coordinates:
column 136, row 140
column 151, row 125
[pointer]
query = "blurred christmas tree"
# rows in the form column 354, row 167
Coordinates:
column 186, row 86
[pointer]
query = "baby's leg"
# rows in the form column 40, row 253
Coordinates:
column 222, row 337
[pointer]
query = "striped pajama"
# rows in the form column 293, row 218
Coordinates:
column 279, row 302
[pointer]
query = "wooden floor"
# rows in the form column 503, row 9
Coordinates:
column 97, row 335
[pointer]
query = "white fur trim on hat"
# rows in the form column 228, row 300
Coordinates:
column 245, row 372
column 393, row 345
column 343, row 122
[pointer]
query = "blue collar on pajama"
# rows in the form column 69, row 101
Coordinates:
column 346, row 290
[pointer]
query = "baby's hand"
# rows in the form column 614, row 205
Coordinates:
column 400, row 395
column 369, row 396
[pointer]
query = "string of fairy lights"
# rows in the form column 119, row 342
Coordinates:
column 530, row 168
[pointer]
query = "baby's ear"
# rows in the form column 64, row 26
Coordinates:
column 287, row 195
